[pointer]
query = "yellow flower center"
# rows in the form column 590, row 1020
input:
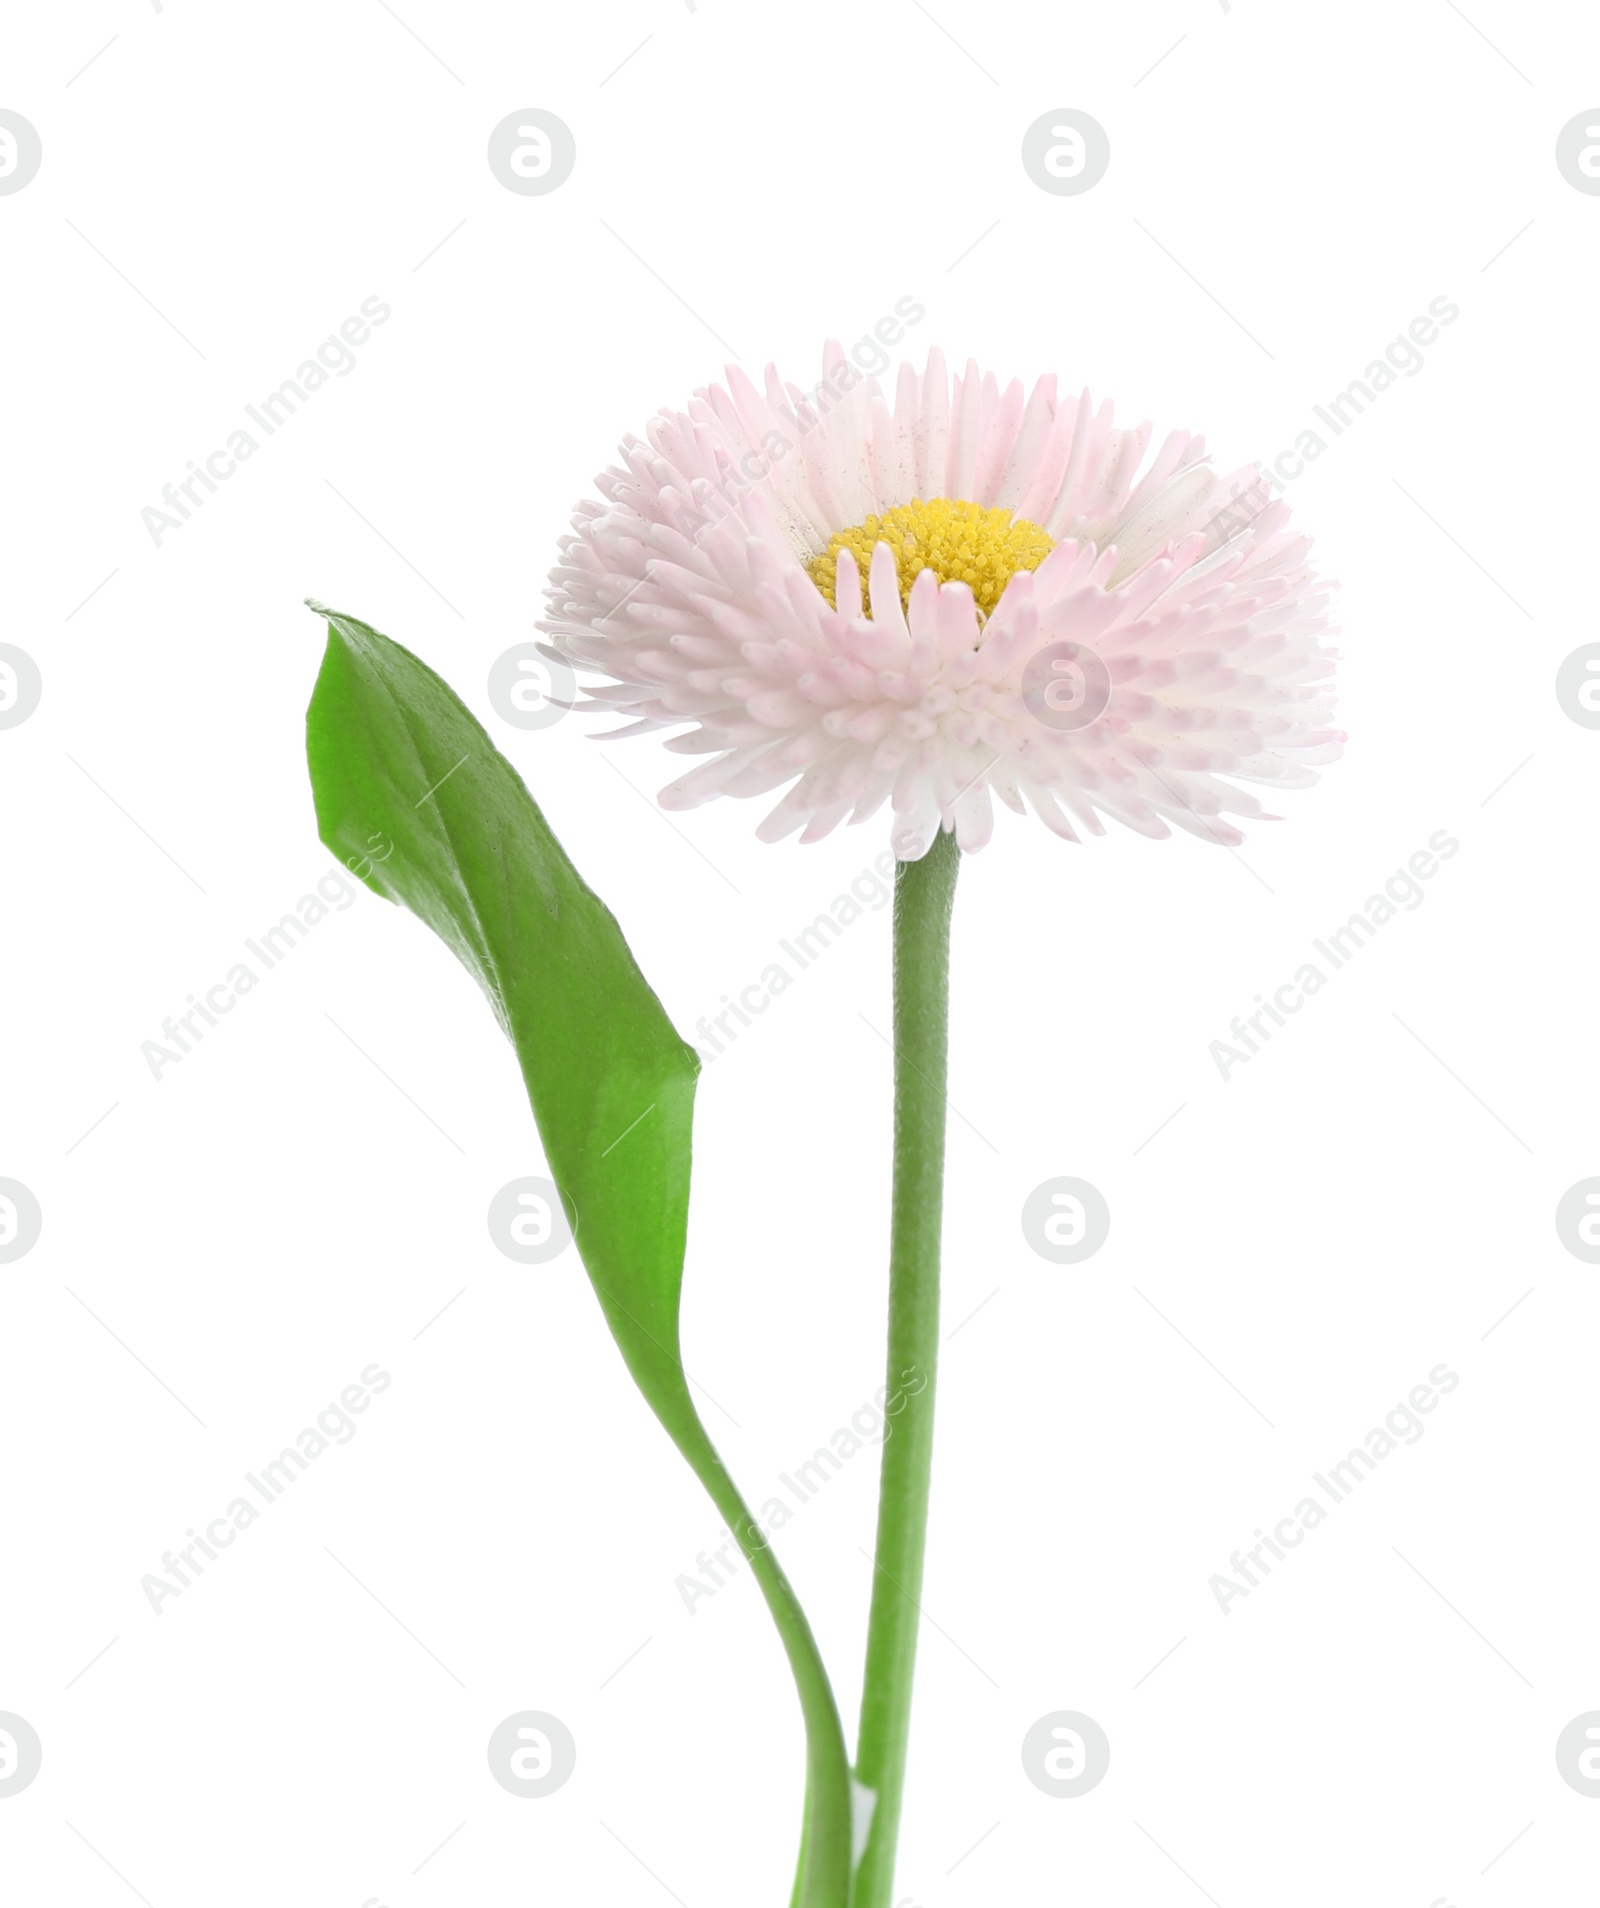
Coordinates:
column 960, row 542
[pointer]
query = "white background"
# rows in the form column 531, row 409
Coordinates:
column 1367, row 1197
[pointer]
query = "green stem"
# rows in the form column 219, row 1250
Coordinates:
column 822, row 1879
column 924, row 893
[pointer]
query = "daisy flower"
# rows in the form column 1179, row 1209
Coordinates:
column 852, row 605
column 966, row 593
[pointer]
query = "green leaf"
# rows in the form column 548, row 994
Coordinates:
column 414, row 797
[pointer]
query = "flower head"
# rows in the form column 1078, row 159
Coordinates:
column 971, row 591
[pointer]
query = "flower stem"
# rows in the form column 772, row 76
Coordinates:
column 923, row 896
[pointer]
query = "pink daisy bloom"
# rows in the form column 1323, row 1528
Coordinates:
column 961, row 594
